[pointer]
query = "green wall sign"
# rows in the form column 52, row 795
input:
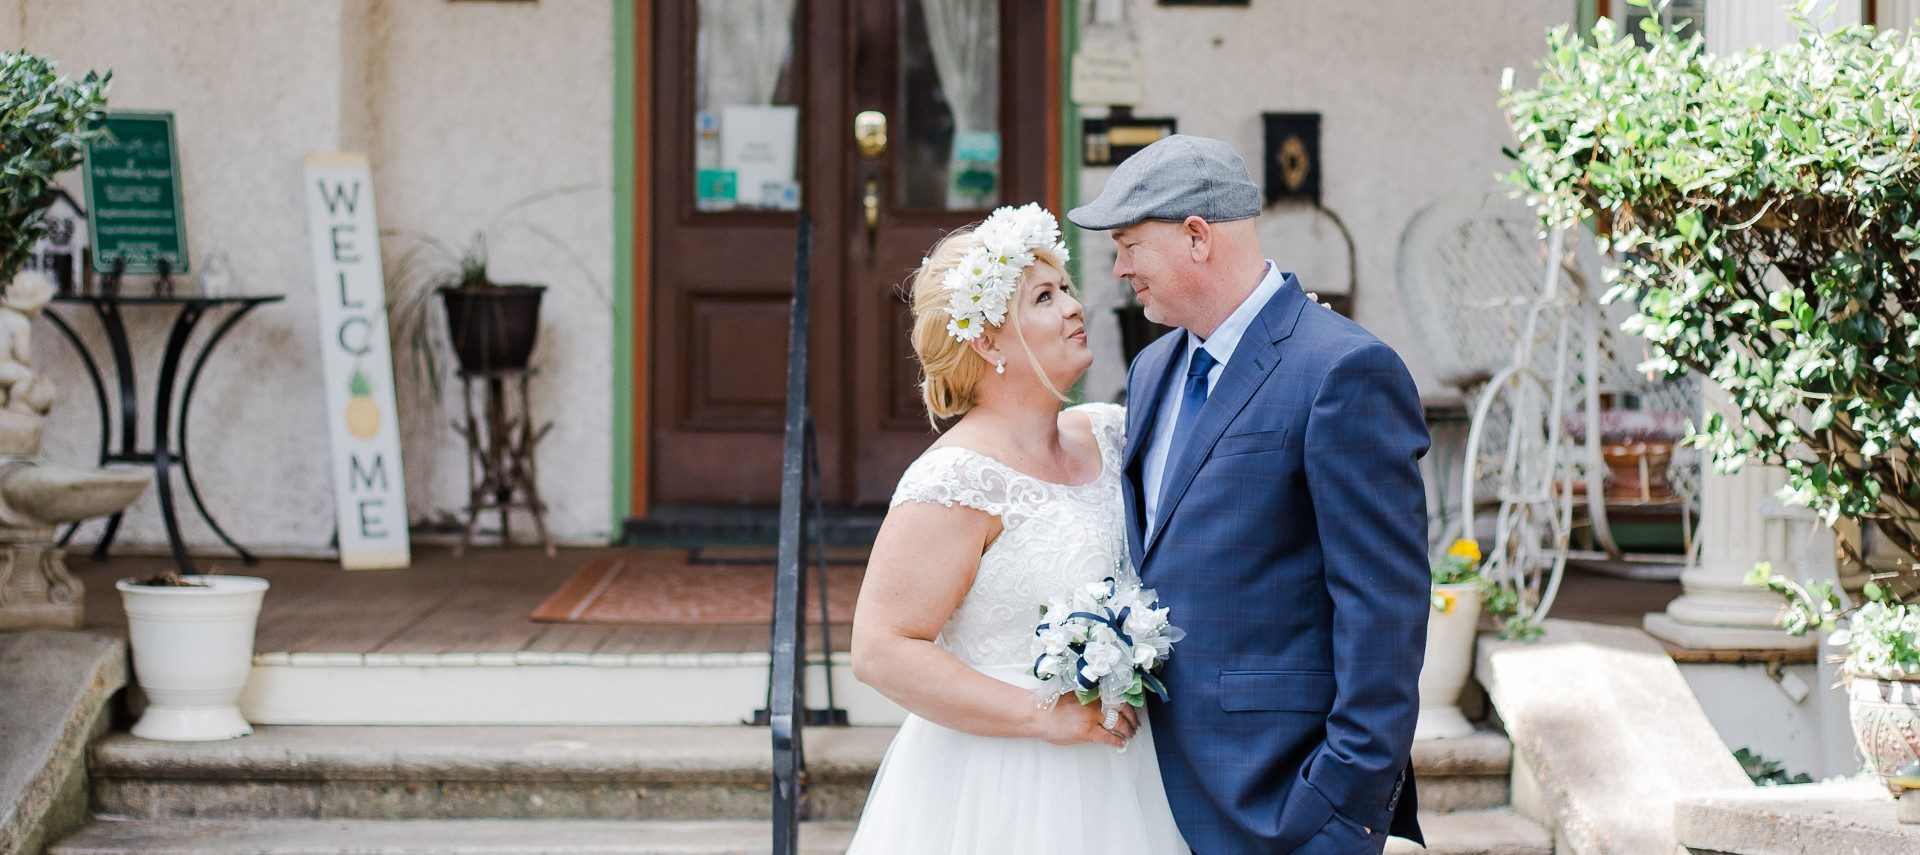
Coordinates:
column 133, row 194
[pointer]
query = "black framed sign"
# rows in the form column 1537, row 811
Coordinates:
column 134, row 212
column 1292, row 157
column 1112, row 140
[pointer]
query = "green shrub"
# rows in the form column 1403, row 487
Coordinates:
column 45, row 121
column 1765, row 208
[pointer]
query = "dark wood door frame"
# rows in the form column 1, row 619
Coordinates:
column 828, row 98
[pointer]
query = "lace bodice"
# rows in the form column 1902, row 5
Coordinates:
column 1054, row 537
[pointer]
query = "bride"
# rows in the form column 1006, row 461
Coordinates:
column 1019, row 502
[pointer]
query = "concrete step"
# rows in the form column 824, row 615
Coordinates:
column 615, row 773
column 1492, row 832
column 1463, row 773
column 54, row 690
column 1477, row 832
column 437, row 837
column 480, row 772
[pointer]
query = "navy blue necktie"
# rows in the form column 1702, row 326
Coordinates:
column 1191, row 401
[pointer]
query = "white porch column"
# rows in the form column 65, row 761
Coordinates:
column 1718, row 610
column 1897, row 13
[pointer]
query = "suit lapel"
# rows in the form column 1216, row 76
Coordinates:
column 1143, row 403
column 1256, row 355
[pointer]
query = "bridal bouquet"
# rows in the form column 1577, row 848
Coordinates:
column 1102, row 644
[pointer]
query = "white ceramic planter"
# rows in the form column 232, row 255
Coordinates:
column 1449, row 662
column 192, row 652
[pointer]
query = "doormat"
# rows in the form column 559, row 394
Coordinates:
column 666, row 588
column 767, row 553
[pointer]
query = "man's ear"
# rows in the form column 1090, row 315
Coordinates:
column 1199, row 235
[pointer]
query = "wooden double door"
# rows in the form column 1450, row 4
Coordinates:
column 763, row 109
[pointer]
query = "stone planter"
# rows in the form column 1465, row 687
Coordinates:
column 1886, row 723
column 192, row 652
column 1449, row 662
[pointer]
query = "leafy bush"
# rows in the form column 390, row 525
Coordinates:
column 1765, row 206
column 45, row 122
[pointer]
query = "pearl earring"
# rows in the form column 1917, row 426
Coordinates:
column 1000, row 366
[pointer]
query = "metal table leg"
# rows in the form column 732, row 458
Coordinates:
column 183, row 325
column 186, row 409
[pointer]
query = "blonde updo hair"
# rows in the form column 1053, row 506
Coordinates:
column 949, row 369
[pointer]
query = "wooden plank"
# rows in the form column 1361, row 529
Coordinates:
column 479, row 618
column 570, row 638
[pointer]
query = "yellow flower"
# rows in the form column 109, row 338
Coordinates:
column 1464, row 548
column 1443, row 602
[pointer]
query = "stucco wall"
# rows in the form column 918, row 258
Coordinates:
column 464, row 108
column 480, row 106
column 1407, row 95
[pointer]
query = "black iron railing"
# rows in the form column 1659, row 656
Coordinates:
column 800, row 527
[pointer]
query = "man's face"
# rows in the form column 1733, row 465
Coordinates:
column 1156, row 260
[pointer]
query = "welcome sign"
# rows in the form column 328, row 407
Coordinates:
column 370, row 501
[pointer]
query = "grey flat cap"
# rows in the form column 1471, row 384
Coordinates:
column 1175, row 178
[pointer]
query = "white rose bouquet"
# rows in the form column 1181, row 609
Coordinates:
column 1102, row 644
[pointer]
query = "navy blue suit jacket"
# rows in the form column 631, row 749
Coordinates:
column 1292, row 549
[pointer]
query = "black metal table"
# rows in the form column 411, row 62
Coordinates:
column 169, row 420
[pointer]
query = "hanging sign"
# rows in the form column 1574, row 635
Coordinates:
column 133, row 194
column 1105, row 77
column 370, row 501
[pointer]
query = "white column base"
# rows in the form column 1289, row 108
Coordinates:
column 1664, row 626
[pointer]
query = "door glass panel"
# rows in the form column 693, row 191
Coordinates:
column 948, row 141
column 746, row 118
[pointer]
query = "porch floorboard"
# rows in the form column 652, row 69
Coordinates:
column 476, row 603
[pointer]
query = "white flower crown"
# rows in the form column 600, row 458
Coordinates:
column 980, row 288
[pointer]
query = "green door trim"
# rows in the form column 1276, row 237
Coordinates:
column 621, row 430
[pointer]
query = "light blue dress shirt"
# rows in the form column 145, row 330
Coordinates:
column 1221, row 346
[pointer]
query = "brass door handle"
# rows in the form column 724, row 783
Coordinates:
column 871, row 202
column 870, row 133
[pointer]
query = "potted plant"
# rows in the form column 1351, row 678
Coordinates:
column 192, row 639
column 1453, row 621
column 49, row 120
column 491, row 326
column 1881, row 671
column 1763, row 206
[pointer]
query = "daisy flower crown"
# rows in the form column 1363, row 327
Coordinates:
column 981, row 287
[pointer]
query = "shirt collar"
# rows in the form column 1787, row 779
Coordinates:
column 1226, row 339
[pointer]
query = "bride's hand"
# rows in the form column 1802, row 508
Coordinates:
column 1070, row 723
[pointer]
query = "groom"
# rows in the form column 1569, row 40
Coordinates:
column 1276, row 506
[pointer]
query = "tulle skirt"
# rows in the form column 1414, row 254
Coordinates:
column 943, row 791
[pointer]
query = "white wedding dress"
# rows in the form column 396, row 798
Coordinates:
column 941, row 790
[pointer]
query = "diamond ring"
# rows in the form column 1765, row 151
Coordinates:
column 1113, row 718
